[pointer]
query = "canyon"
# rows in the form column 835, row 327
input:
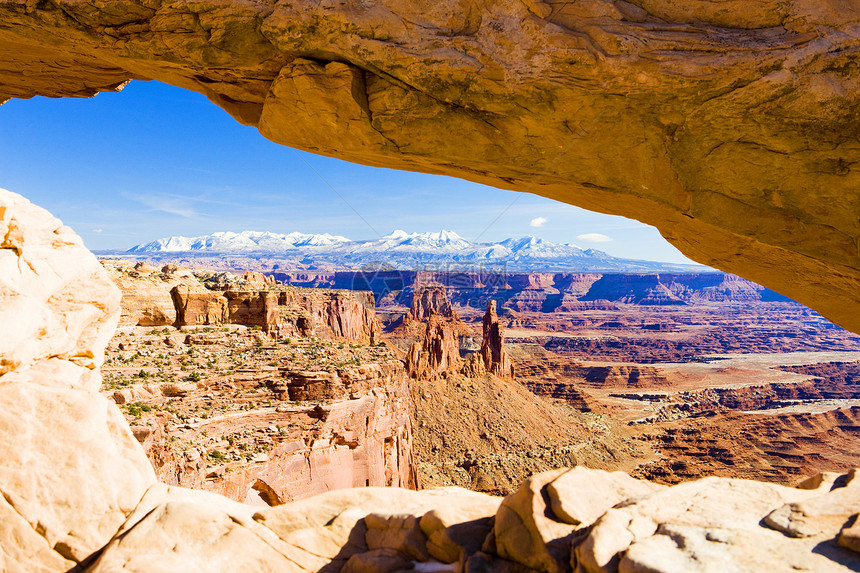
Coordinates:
column 666, row 365
column 652, row 372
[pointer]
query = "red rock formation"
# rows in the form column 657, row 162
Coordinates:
column 252, row 308
column 197, row 306
column 437, row 354
column 429, row 300
column 336, row 313
column 496, row 360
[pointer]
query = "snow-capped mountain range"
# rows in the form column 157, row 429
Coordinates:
column 402, row 250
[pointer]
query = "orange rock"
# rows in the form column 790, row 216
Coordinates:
column 496, row 360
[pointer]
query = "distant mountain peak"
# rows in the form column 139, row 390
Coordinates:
column 403, row 250
column 241, row 242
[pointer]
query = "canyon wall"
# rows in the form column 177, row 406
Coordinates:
column 179, row 297
column 549, row 292
column 732, row 129
column 327, row 430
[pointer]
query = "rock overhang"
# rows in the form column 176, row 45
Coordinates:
column 733, row 128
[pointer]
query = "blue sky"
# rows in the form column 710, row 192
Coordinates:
column 155, row 161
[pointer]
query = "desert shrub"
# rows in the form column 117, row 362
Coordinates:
column 137, row 408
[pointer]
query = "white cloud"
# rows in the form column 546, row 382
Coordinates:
column 594, row 238
column 180, row 206
column 538, row 222
column 97, row 230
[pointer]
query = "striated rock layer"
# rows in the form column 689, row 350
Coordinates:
column 178, row 297
column 731, row 128
column 332, row 430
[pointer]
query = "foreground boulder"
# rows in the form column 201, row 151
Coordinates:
column 71, row 469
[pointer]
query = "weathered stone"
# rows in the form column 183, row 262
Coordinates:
column 849, row 537
column 71, row 466
column 582, row 495
column 455, row 531
column 713, row 524
column 175, row 529
column 822, row 515
column 397, row 532
column 378, row 561
column 55, row 299
column 330, row 527
column 527, row 532
column 22, row 549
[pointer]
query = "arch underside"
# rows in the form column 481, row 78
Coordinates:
column 733, row 127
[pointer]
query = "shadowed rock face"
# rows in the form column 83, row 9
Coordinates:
column 731, row 127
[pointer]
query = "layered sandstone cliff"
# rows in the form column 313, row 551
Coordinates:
column 187, row 297
column 268, row 438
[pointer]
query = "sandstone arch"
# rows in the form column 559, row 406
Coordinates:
column 732, row 126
